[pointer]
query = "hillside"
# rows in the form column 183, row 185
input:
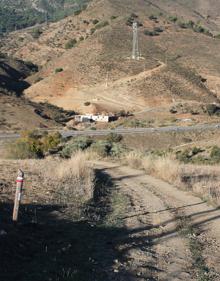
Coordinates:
column 18, row 112
column 12, row 75
column 85, row 59
column 23, row 13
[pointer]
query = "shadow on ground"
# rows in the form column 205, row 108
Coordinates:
column 54, row 248
column 47, row 244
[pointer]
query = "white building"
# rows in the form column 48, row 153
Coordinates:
column 94, row 118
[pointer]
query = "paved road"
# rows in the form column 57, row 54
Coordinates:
column 124, row 131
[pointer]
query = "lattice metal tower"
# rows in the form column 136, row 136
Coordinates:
column 135, row 50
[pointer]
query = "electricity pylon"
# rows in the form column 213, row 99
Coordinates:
column 135, row 50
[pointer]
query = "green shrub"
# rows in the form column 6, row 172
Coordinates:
column 158, row 29
column 95, row 21
column 150, row 33
column 80, row 143
column 153, row 17
column 101, row 24
column 183, row 24
column 21, row 149
column 113, row 137
column 31, row 144
column 87, row 103
column 117, row 150
column 215, row 153
column 196, row 150
column 102, row 148
column 213, row 109
column 183, row 156
column 57, row 70
column 188, row 156
column 50, row 141
column 173, row 18
column 200, row 29
column 113, row 17
column 190, row 24
column 92, row 30
column 36, row 32
column 76, row 13
column 70, row 44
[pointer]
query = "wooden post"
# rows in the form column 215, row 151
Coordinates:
column 19, row 186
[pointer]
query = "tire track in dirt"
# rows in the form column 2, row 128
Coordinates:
column 153, row 248
column 197, row 221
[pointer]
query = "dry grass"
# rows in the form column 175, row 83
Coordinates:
column 70, row 182
column 164, row 168
column 133, row 159
column 202, row 180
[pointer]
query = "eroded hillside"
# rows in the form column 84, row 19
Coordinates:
column 86, row 58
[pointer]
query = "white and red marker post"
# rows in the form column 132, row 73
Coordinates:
column 19, row 186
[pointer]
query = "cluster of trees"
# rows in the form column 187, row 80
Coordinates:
column 22, row 15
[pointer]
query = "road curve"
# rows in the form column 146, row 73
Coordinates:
column 123, row 131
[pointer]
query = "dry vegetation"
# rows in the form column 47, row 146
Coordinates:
column 202, row 180
column 70, row 181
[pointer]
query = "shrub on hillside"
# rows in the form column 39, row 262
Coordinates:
column 57, row 70
column 78, row 12
column 113, row 137
column 95, row 21
column 81, row 143
column 213, row 109
column 36, row 32
column 182, row 25
column 33, row 145
column 158, row 29
column 153, row 17
column 215, row 154
column 92, row 30
column 150, row 33
column 173, row 18
column 101, row 24
column 70, row 44
column 50, row 141
column 21, row 149
column 117, row 149
column 87, row 103
column 102, row 148
column 200, row 29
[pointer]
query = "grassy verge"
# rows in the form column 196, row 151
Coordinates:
column 200, row 179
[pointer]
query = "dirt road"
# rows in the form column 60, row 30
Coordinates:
column 172, row 235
